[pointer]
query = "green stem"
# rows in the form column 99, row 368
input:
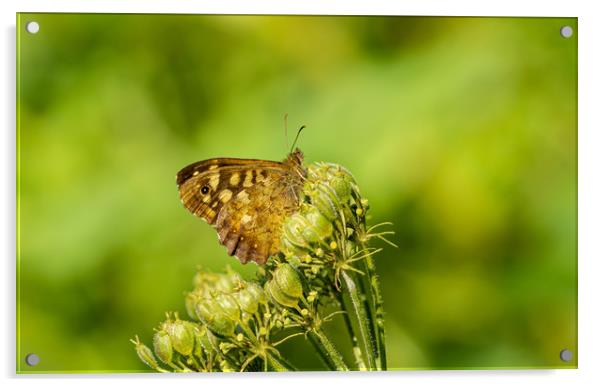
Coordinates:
column 360, row 312
column 278, row 364
column 372, row 283
column 327, row 350
column 357, row 352
column 367, row 301
column 377, row 304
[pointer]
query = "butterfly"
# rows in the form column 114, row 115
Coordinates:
column 245, row 200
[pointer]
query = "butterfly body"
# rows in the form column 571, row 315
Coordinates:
column 245, row 200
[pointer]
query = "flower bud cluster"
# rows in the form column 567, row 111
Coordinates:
column 327, row 197
column 225, row 308
column 176, row 343
column 323, row 231
column 234, row 320
column 222, row 301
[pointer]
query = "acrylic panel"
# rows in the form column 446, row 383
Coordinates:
column 424, row 218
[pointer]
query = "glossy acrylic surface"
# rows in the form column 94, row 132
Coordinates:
column 461, row 131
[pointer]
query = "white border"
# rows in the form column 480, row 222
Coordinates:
column 590, row 187
column 341, row 7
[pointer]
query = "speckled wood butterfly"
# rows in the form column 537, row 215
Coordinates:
column 245, row 200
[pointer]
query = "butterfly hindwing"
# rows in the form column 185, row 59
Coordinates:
column 250, row 224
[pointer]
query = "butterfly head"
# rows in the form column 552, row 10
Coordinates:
column 295, row 162
column 295, row 157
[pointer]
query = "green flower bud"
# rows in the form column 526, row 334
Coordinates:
column 213, row 341
column 257, row 292
column 229, row 306
column 291, row 249
column 341, row 186
column 205, row 283
column 293, row 232
column 285, row 287
column 319, row 226
column 288, row 281
column 203, row 337
column 321, row 171
column 246, row 301
column 145, row 354
column 199, row 279
column 249, row 297
column 190, row 301
column 304, row 228
column 271, row 287
column 318, row 171
column 162, row 346
column 181, row 334
column 210, row 312
column 323, row 200
column 227, row 283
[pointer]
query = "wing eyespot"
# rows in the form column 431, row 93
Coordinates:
column 205, row 190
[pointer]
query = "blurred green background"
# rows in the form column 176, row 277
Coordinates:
column 461, row 131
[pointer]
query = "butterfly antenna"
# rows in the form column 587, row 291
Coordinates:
column 286, row 129
column 296, row 138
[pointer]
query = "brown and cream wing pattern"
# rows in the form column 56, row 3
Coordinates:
column 245, row 200
column 201, row 183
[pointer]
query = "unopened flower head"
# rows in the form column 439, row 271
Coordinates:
column 285, row 286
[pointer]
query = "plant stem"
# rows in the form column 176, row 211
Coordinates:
column 357, row 352
column 359, row 309
column 372, row 283
column 278, row 364
column 367, row 301
column 327, row 351
column 377, row 305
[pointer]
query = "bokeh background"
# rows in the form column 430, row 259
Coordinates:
column 461, row 131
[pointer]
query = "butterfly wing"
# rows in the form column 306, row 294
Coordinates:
column 245, row 200
column 201, row 167
column 201, row 183
column 250, row 225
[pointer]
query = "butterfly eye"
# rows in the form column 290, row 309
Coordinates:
column 204, row 190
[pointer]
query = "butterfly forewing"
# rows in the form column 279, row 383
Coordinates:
column 200, row 167
column 245, row 200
